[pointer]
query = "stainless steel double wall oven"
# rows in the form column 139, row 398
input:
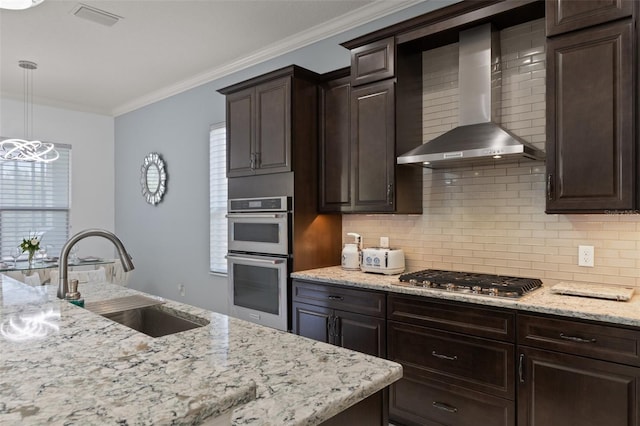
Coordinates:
column 259, row 259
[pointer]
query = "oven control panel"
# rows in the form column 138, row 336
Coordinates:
column 266, row 204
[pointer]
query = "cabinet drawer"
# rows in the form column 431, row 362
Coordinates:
column 460, row 318
column 373, row 62
column 336, row 297
column 604, row 342
column 416, row 402
column 473, row 363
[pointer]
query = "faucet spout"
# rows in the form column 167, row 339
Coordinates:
column 63, row 284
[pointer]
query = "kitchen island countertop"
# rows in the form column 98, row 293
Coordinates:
column 541, row 300
column 61, row 364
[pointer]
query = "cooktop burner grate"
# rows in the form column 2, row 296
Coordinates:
column 471, row 283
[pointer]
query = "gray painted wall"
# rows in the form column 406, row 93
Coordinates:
column 170, row 242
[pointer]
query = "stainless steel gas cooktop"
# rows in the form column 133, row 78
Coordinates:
column 471, row 283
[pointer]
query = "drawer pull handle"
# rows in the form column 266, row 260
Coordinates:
column 444, row 407
column 521, row 368
column 336, row 298
column 576, row 339
column 448, row 358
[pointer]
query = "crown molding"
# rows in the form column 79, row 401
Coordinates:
column 361, row 16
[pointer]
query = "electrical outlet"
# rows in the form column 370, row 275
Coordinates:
column 585, row 256
column 384, row 242
column 181, row 289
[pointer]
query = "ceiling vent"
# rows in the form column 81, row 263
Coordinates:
column 95, row 15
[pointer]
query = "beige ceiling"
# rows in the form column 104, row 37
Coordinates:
column 159, row 48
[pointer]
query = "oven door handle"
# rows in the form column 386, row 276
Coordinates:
column 255, row 215
column 256, row 259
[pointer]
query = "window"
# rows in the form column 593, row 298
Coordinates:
column 35, row 198
column 218, row 198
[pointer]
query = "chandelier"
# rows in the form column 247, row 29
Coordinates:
column 25, row 149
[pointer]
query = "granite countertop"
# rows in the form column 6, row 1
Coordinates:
column 62, row 364
column 541, row 300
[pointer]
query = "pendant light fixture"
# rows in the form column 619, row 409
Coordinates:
column 19, row 4
column 26, row 149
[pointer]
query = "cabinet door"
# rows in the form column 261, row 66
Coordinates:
column 335, row 146
column 240, row 133
column 590, row 136
column 559, row 390
column 273, row 126
column 312, row 322
column 569, row 15
column 361, row 333
column 373, row 62
column 373, row 147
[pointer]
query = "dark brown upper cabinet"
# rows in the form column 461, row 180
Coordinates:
column 569, row 15
column 373, row 147
column 590, row 131
column 334, row 142
column 373, row 62
column 358, row 149
column 260, row 128
column 364, row 128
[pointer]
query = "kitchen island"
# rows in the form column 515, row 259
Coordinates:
column 62, row 364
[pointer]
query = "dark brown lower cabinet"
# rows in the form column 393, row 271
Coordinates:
column 557, row 389
column 452, row 373
column 352, row 319
column 357, row 332
column 471, row 365
column 573, row 372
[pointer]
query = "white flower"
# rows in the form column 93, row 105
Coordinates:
column 34, row 241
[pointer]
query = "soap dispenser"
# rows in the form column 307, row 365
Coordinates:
column 351, row 253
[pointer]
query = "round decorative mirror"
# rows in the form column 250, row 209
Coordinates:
column 153, row 178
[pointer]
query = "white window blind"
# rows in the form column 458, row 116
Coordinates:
column 218, row 198
column 35, row 198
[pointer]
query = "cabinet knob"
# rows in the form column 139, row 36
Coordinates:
column 390, row 193
column 550, row 187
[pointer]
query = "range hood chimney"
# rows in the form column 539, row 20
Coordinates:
column 477, row 139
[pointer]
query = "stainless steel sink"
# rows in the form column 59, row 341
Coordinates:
column 145, row 315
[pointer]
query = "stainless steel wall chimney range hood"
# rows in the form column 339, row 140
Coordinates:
column 477, row 139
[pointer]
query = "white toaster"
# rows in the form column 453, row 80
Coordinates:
column 381, row 260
